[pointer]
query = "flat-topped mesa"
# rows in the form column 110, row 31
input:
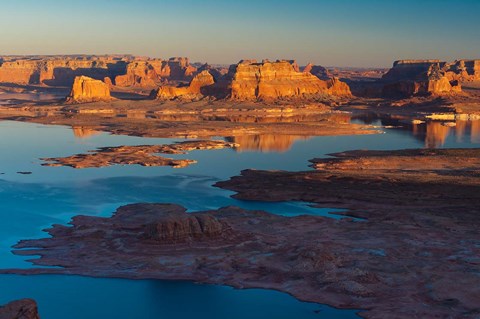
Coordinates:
column 419, row 77
column 85, row 90
column 278, row 80
column 198, row 88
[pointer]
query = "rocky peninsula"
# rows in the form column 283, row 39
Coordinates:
column 413, row 253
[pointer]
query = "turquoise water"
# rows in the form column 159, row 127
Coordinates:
column 32, row 202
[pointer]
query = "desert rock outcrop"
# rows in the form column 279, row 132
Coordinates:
column 85, row 90
column 277, row 80
column 419, row 77
column 197, row 88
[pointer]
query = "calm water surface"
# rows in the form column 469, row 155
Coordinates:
column 32, row 202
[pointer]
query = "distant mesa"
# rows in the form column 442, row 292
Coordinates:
column 121, row 70
column 85, row 90
column 151, row 72
column 429, row 77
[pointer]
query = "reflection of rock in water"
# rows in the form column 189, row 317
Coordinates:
column 84, row 132
column 436, row 134
column 475, row 131
column 265, row 143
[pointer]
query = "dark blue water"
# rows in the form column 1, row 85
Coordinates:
column 72, row 297
column 30, row 203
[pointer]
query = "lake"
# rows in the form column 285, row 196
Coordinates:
column 43, row 196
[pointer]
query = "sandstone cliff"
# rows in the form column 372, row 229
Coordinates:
column 86, row 90
column 278, row 80
column 419, row 77
column 197, row 88
column 58, row 71
column 123, row 70
column 139, row 73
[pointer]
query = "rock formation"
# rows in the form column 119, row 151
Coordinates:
column 139, row 73
column 317, row 70
column 178, row 227
column 124, row 70
column 20, row 309
column 59, row 70
column 180, row 69
column 197, row 88
column 464, row 70
column 85, row 90
column 278, row 80
column 419, row 77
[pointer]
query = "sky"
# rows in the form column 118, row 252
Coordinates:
column 360, row 33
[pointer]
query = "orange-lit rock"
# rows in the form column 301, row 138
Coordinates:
column 196, row 88
column 138, row 73
column 180, row 69
column 277, row 80
column 59, row 70
column 86, row 90
column 419, row 77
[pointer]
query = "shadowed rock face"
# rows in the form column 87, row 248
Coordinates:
column 417, row 77
column 279, row 80
column 317, row 70
column 140, row 73
column 20, row 309
column 197, row 88
column 86, row 90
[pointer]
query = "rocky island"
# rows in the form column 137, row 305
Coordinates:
column 137, row 155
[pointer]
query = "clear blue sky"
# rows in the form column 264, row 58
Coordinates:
column 331, row 33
